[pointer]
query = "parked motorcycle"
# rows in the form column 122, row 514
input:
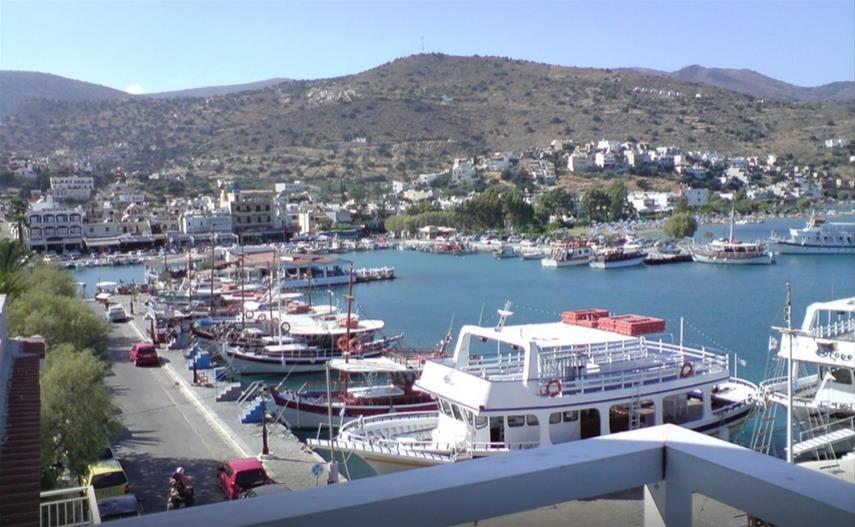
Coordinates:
column 181, row 494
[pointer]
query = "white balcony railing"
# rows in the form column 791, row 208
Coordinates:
column 670, row 462
column 69, row 507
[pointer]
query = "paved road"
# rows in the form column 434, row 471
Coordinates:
column 162, row 428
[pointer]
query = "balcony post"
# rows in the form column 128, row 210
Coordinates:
column 666, row 504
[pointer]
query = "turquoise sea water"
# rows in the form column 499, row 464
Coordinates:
column 727, row 308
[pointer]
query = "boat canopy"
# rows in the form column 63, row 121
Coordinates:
column 368, row 365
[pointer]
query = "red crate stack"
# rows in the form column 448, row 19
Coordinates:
column 632, row 325
column 584, row 317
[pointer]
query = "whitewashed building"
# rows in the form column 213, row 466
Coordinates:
column 77, row 188
column 577, row 163
column 652, row 202
column 695, row 197
column 198, row 222
column 54, row 227
column 463, row 171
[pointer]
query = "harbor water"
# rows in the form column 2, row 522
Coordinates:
column 728, row 308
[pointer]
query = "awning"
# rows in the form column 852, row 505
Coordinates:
column 101, row 242
column 373, row 365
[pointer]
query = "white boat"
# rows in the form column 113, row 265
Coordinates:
column 732, row 252
column 568, row 254
column 518, row 387
column 823, row 354
column 617, row 257
column 818, row 237
column 532, row 253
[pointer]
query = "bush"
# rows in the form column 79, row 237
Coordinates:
column 681, row 225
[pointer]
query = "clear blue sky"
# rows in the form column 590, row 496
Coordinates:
column 161, row 46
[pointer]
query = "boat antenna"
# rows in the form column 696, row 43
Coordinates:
column 242, row 291
column 789, row 374
column 481, row 316
column 211, row 301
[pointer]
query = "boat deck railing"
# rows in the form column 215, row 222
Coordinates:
column 604, row 366
column 842, row 330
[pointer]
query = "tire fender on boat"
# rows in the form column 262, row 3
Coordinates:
column 285, row 327
column 686, row 370
column 342, row 343
column 355, row 345
column 262, row 317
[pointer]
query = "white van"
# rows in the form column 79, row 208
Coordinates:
column 116, row 313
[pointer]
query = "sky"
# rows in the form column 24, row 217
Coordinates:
column 148, row 46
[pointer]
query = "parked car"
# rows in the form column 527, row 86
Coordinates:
column 108, row 478
column 266, row 490
column 116, row 313
column 144, row 354
column 240, row 475
column 124, row 506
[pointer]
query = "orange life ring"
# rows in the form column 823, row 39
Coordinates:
column 341, row 343
column 285, row 327
column 355, row 345
column 262, row 317
column 687, row 370
column 553, row 388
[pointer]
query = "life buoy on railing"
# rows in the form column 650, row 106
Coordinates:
column 285, row 327
column 250, row 314
column 355, row 345
column 274, row 321
column 262, row 317
column 553, row 388
column 341, row 343
column 687, row 370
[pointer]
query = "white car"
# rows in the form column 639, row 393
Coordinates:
column 116, row 313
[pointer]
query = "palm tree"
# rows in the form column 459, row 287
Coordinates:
column 18, row 214
column 13, row 257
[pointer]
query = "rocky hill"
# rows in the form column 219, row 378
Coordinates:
column 19, row 86
column 756, row 84
column 209, row 91
column 414, row 115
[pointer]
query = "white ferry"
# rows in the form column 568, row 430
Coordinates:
column 823, row 354
column 818, row 237
column 568, row 254
column 518, row 387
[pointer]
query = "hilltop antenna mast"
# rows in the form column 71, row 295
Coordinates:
column 423, row 44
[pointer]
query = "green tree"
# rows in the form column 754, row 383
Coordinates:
column 13, row 257
column 557, row 202
column 51, row 280
column 17, row 213
column 619, row 206
column 596, row 204
column 59, row 319
column 681, row 225
column 77, row 415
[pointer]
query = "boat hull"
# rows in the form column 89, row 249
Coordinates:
column 553, row 263
column 616, row 264
column 259, row 365
column 764, row 259
column 301, row 414
column 785, row 247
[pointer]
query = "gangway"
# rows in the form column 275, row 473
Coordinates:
column 823, row 441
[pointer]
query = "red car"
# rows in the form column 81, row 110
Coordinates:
column 144, row 354
column 239, row 475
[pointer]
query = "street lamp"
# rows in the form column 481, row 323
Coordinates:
column 265, row 392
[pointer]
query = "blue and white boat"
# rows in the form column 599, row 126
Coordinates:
column 818, row 237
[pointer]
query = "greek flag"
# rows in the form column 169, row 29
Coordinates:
column 773, row 343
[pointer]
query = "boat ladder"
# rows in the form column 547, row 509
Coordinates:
column 635, row 409
column 762, row 440
column 820, row 436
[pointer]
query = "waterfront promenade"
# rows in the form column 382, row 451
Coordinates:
column 170, row 423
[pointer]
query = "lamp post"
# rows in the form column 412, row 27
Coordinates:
column 265, row 450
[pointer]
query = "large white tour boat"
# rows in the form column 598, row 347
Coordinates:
column 818, row 237
column 568, row 253
column 518, row 387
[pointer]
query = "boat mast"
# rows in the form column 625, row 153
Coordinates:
column 211, row 301
column 789, row 374
column 732, row 214
column 242, row 292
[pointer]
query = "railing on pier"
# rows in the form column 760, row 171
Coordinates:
column 69, row 507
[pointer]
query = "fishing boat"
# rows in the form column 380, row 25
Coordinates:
column 368, row 386
column 617, row 257
column 667, row 254
column 818, row 237
column 821, row 354
column 732, row 252
column 532, row 252
column 568, row 253
column 505, row 251
column 517, row 387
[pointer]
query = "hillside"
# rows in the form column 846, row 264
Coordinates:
column 18, row 86
column 210, row 91
column 756, row 84
column 414, row 115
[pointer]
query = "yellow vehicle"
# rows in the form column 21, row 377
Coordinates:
column 108, row 478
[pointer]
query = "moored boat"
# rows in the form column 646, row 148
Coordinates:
column 568, row 253
column 519, row 387
column 616, row 257
column 818, row 237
